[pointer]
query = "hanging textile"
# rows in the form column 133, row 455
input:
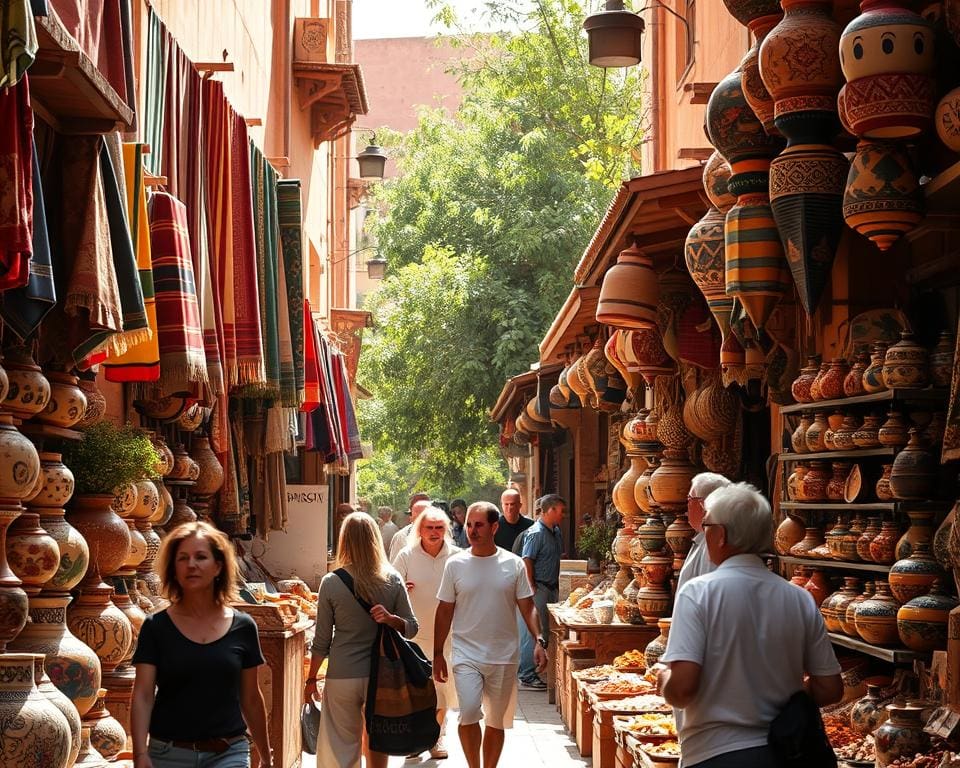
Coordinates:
column 153, row 113
column 351, row 429
column 18, row 40
column 290, row 216
column 182, row 359
column 16, row 185
column 23, row 309
column 141, row 362
column 311, row 365
column 267, row 248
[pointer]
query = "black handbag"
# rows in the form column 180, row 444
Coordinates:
column 797, row 736
column 401, row 708
column 309, row 727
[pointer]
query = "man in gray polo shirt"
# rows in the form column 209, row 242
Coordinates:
column 542, row 551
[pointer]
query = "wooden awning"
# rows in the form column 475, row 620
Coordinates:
column 334, row 93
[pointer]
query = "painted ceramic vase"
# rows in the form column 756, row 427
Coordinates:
column 893, row 432
column 705, row 260
column 73, row 550
column 915, row 574
column 96, row 403
column 868, row 535
column 100, row 624
column 137, row 551
column 56, row 482
column 630, row 291
column 105, row 531
column 812, row 538
column 867, row 434
column 876, row 618
column 790, row 532
column 658, row 646
column 652, row 534
column 941, row 360
column 829, row 606
column 848, row 617
column 67, row 403
column 13, row 600
column 815, row 433
column 815, row 386
column 622, row 495
column 164, row 509
column 901, row 735
column 148, row 500
column 905, row 364
column 868, row 713
column 914, row 472
column 654, row 603
column 873, row 375
column 89, row 757
column 29, row 391
column 834, row 537
column 800, row 389
column 882, row 198
column 106, row 734
column 815, row 481
column 847, row 595
column 670, row 482
column 124, row 499
column 19, row 462
column 843, row 438
column 165, row 454
column 922, row 621
column 32, row 553
column 35, row 733
column 831, row 385
column 798, row 439
column 50, row 692
column 853, row 382
column 883, row 546
column 747, row 11
column 679, row 536
column 919, row 532
column 838, row 478
column 716, row 182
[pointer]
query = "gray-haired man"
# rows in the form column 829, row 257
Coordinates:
column 697, row 561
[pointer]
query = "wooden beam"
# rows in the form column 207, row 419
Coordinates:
column 253, row 121
column 155, row 181
column 699, row 154
column 699, row 92
column 208, row 68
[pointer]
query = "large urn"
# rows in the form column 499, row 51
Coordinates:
column 19, row 463
column 105, row 531
column 52, row 694
column 101, row 625
column 13, row 600
column 33, row 554
column 33, row 732
column 915, row 574
column 28, row 391
column 922, row 621
column 876, row 617
column 670, row 482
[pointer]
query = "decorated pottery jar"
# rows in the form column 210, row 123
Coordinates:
column 867, row 435
column 901, row 735
column 941, row 360
column 919, row 532
column 658, row 646
column 905, row 364
column 105, row 531
column 789, row 532
column 849, row 592
column 35, row 732
column 812, row 538
column 73, row 550
column 915, row 574
column 100, row 624
column 211, row 471
column 88, row 756
column 670, row 482
column 893, row 433
column 52, row 694
column 800, row 576
column 876, row 618
column 106, row 734
column 922, row 621
column 843, row 437
column 848, row 618
column 847, row 545
column 19, row 462
column 868, row 535
column 853, row 382
column 630, row 292
column 29, row 391
column 914, row 472
column 815, row 481
column 32, row 553
column 798, row 439
column 815, row 433
column 67, row 404
column 831, row 384
column 835, row 535
column 801, row 385
column 166, row 455
column 838, row 478
column 815, row 385
column 883, row 546
column 124, row 499
column 654, row 603
column 873, row 375
column 652, row 535
column 795, row 482
column 883, row 484
column 868, row 713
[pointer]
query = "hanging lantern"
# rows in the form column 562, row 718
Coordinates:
column 613, row 36
column 372, row 161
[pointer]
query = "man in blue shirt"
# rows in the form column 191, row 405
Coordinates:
column 542, row 551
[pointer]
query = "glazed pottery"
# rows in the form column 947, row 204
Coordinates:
column 124, row 499
column 869, row 712
column 834, row 537
column 941, row 360
column 96, row 403
column 658, row 646
column 184, row 467
column 801, row 385
column 106, row 734
column 73, row 550
column 100, row 624
column 19, row 462
column 788, row 533
column 32, row 553
column 843, row 437
column 853, row 381
column 670, row 482
column 848, row 594
column 13, row 600
column 867, row 435
column 626, row 607
column 652, row 534
column 29, row 390
column 679, row 536
column 893, row 432
column 848, row 618
column 914, row 575
column 883, row 546
column 148, row 500
column 831, row 385
column 622, row 494
column 814, row 435
column 716, row 182
column 630, row 291
column 905, row 364
column 815, row 481
column 654, row 603
column 901, row 735
column 67, row 403
column 754, row 91
column 883, row 484
column 704, row 255
column 818, row 586
column 919, row 532
column 35, row 734
column 913, row 476
column 106, row 533
column 798, row 439
column 827, row 608
column 847, row 545
column 57, row 482
column 795, row 482
column 812, row 538
column 164, row 509
column 922, row 622
column 166, row 455
column 882, row 199
column 815, row 386
column 71, row 664
column 89, row 757
column 137, row 551
column 50, row 692
column 868, row 535
column 873, row 375
column 876, row 618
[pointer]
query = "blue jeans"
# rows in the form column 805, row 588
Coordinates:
column 527, row 669
column 164, row 755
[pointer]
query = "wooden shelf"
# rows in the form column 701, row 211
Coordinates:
column 894, row 655
column 887, row 396
column 871, row 506
column 67, row 89
column 178, row 483
column 839, row 565
column 36, row 430
column 860, row 453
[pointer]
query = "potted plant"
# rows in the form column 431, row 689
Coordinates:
column 595, row 540
column 108, row 458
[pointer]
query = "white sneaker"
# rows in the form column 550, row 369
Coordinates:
column 439, row 750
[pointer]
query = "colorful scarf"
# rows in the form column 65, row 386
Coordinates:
column 182, row 359
column 154, row 101
column 16, row 185
column 141, row 362
column 290, row 215
column 18, row 40
column 23, row 309
column 311, row 364
column 348, row 416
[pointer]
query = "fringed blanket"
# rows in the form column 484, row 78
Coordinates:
column 290, row 215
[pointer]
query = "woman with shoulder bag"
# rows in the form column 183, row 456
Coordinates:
column 196, row 691
column 360, row 552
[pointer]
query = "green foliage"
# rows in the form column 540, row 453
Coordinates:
column 110, row 457
column 595, row 539
column 482, row 227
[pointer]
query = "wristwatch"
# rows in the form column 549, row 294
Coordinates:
column 543, row 642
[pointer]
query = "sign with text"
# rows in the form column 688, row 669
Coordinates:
column 301, row 550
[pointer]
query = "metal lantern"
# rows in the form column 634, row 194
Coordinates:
column 372, row 162
column 613, row 36
column 376, row 268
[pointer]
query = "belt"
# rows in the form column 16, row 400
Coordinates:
column 217, row 746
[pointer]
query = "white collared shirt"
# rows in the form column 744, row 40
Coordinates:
column 754, row 634
column 697, row 562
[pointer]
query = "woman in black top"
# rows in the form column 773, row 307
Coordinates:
column 196, row 691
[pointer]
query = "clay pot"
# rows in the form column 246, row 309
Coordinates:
column 905, row 364
column 716, row 180
column 901, row 735
column 106, row 734
column 193, row 415
column 867, row 537
column 876, row 618
column 622, row 495
column 29, row 390
column 50, row 692
column 835, row 536
column 829, row 606
column 919, row 532
column 788, row 533
column 137, row 551
column 654, row 603
column 73, row 550
column 100, row 624
column 19, row 462
column 56, row 482
column 815, row 433
column 32, row 553
column 679, row 536
column 873, row 376
column 106, row 533
column 798, row 440
column 883, row 545
column 36, row 733
column 914, row 472
column 795, row 482
column 853, row 382
column 831, row 384
column 869, row 712
column 815, row 385
column 165, row 454
column 652, row 534
column 941, row 360
column 867, row 434
column 848, row 594
column 124, row 499
column 812, row 538
column 630, row 292
column 818, row 586
column 843, row 437
column 704, row 254
column 164, row 508
column 148, row 500
column 13, row 600
column 801, row 385
column 915, row 574
column 96, row 403
column 922, row 622
column 67, row 403
column 847, row 618
column 883, row 484
column 815, row 481
column 89, row 757
column 670, row 482
column 847, row 545
column 893, row 432
column 800, row 576
column 658, row 646
column 182, row 513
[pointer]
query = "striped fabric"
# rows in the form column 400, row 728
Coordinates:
column 18, row 40
column 290, row 214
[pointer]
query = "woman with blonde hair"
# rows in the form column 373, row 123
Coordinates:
column 345, row 633
column 196, row 691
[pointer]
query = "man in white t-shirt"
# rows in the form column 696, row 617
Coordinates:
column 479, row 595
column 741, row 640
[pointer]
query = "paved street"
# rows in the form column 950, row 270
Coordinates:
column 538, row 740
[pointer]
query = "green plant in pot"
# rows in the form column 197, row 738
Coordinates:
column 595, row 540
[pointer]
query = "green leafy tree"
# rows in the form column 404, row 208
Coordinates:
column 482, row 227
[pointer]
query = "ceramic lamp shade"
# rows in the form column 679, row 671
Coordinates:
column 630, row 290
column 887, row 107
column 704, row 255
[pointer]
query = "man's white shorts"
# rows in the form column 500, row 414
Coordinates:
column 486, row 692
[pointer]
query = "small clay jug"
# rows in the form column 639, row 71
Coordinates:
column 801, row 385
column 838, row 478
column 876, row 618
column 815, row 481
column 815, row 386
column 818, row 585
column 914, row 575
column 873, row 376
column 812, row 538
column 788, row 533
column 798, row 438
column 815, row 432
column 843, row 437
column 868, row 535
column 866, row 435
column 795, row 482
column 914, row 472
column 941, row 360
column 853, row 382
column 905, row 364
column 901, row 735
column 831, row 384
column 834, row 536
column 893, row 432
column 919, row 532
column 883, row 546
column 848, row 619
column 849, row 592
column 834, row 422
column 883, row 484
column 869, row 712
